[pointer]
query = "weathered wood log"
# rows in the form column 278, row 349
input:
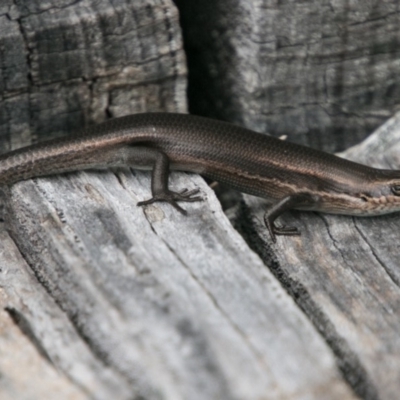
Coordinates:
column 169, row 306
column 344, row 273
column 296, row 68
column 101, row 299
column 66, row 64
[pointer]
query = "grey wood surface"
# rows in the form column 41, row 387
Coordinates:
column 101, row 299
column 295, row 68
column 65, row 64
column 172, row 307
column 344, row 273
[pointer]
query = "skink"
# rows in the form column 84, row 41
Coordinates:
column 290, row 176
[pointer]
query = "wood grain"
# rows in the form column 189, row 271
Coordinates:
column 66, row 64
column 175, row 306
column 344, row 274
column 324, row 73
column 101, row 299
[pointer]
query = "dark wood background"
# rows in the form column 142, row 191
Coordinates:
column 101, row 299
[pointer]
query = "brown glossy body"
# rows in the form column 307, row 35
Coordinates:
column 289, row 175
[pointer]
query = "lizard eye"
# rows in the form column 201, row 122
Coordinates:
column 396, row 189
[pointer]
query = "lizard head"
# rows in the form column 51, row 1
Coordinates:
column 382, row 194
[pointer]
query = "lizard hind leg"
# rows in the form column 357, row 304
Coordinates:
column 145, row 157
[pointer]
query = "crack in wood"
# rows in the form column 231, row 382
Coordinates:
column 26, row 328
column 347, row 361
column 373, row 252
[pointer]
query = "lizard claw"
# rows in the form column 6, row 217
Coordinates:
column 172, row 198
column 280, row 230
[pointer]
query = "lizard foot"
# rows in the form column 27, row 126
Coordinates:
column 173, row 197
